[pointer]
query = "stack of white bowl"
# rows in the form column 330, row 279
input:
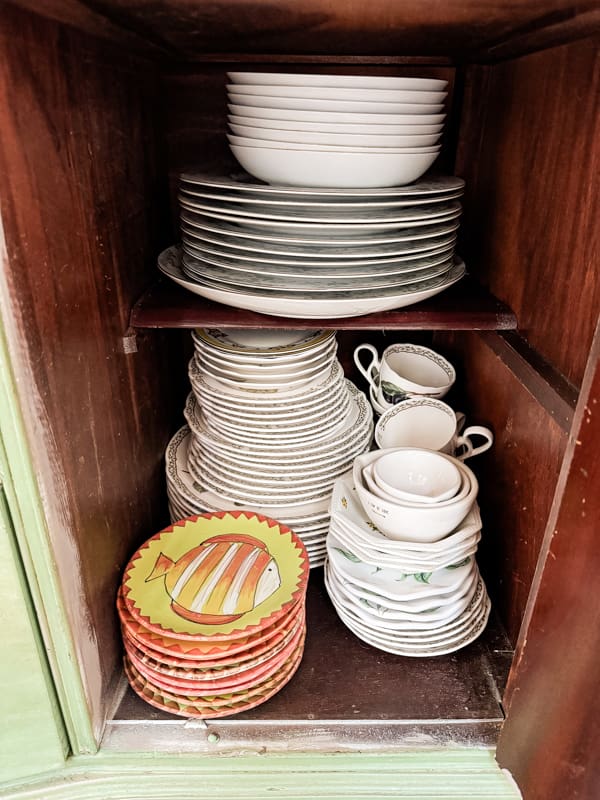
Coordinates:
column 272, row 424
column 401, row 571
column 335, row 130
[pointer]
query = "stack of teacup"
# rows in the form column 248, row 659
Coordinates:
column 405, row 387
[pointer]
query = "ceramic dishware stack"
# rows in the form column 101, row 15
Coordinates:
column 212, row 614
column 272, row 423
column 335, row 130
column 401, row 570
column 318, row 254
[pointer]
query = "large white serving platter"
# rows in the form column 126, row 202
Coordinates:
column 412, row 237
column 249, row 249
column 337, row 117
column 259, row 101
column 332, row 139
column 355, row 81
column 346, row 93
column 332, row 307
column 243, row 182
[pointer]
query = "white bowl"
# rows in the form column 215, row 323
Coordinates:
column 254, row 101
column 332, row 127
column 415, row 523
column 244, row 141
column 355, row 81
column 346, row 93
column 332, row 169
column 419, row 476
column 331, row 115
column 344, row 139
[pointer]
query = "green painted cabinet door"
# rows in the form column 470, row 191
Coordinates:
column 32, row 739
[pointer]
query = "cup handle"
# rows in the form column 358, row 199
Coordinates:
column 373, row 363
column 463, row 442
column 477, row 430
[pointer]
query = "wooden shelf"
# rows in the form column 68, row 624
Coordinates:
column 345, row 696
column 465, row 306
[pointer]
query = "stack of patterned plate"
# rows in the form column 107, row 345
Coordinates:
column 409, row 598
column 212, row 613
column 316, row 253
column 272, row 423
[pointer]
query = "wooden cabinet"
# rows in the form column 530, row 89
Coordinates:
column 101, row 105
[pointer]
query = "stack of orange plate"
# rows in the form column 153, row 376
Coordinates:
column 212, row 613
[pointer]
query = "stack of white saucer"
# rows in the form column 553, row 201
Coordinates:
column 401, row 572
column 272, row 424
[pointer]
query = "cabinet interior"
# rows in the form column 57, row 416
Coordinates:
column 102, row 106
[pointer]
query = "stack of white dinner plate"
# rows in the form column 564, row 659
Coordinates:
column 413, row 593
column 272, row 424
column 335, row 130
column 316, row 254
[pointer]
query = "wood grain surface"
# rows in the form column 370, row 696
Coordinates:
column 465, row 306
column 517, row 476
column 530, row 154
column 551, row 742
column 82, row 208
column 463, row 28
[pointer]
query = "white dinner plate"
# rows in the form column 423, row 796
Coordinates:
column 324, row 127
column 208, row 272
column 249, row 249
column 272, row 265
column 324, row 214
column 413, row 237
column 243, row 182
column 318, row 201
column 292, row 223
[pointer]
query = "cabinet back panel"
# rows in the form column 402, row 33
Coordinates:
column 517, row 477
column 530, row 153
column 80, row 196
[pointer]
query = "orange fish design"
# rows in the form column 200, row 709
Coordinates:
column 220, row 580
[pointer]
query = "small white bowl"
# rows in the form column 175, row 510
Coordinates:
column 332, row 169
column 333, row 139
column 418, row 476
column 332, row 127
column 371, row 484
column 414, row 523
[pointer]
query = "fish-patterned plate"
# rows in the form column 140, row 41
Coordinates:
column 216, row 577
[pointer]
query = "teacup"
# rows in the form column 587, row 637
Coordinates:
column 428, row 423
column 404, row 371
